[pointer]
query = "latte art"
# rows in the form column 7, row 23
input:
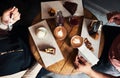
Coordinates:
column 60, row 32
column 76, row 41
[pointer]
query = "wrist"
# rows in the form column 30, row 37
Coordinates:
column 90, row 72
column 2, row 25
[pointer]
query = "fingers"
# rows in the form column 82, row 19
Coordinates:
column 15, row 15
column 76, row 63
column 115, row 19
column 82, row 60
column 16, row 18
column 79, row 61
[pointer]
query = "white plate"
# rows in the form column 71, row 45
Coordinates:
column 92, row 57
column 48, row 40
column 58, row 5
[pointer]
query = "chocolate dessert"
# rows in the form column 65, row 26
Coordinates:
column 49, row 50
column 51, row 12
column 70, row 6
column 88, row 44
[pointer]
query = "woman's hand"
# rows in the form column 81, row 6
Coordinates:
column 10, row 16
column 82, row 65
column 114, row 17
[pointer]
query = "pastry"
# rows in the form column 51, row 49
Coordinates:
column 88, row 44
column 51, row 11
column 49, row 50
column 70, row 6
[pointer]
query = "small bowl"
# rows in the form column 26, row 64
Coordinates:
column 41, row 32
column 60, row 32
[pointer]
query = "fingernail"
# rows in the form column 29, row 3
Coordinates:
column 14, row 7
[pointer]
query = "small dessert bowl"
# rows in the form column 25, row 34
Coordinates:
column 41, row 32
column 76, row 41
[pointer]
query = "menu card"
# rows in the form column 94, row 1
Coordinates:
column 48, row 40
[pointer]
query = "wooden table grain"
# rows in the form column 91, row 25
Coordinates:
column 65, row 66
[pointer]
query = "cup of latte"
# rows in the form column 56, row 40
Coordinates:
column 41, row 32
column 76, row 41
column 60, row 32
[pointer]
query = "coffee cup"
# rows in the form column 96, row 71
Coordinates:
column 60, row 32
column 76, row 41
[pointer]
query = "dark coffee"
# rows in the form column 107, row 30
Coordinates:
column 74, row 20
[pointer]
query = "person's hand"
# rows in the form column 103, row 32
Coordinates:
column 114, row 17
column 82, row 65
column 10, row 16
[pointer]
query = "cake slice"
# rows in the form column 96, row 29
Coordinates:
column 49, row 50
column 70, row 6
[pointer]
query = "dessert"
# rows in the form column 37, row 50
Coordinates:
column 88, row 44
column 70, row 6
column 51, row 11
column 93, row 28
column 60, row 32
column 41, row 32
column 95, row 36
column 49, row 50
column 76, row 41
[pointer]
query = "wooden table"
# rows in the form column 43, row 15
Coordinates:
column 64, row 66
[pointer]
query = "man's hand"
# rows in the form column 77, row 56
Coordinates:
column 82, row 65
column 114, row 17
